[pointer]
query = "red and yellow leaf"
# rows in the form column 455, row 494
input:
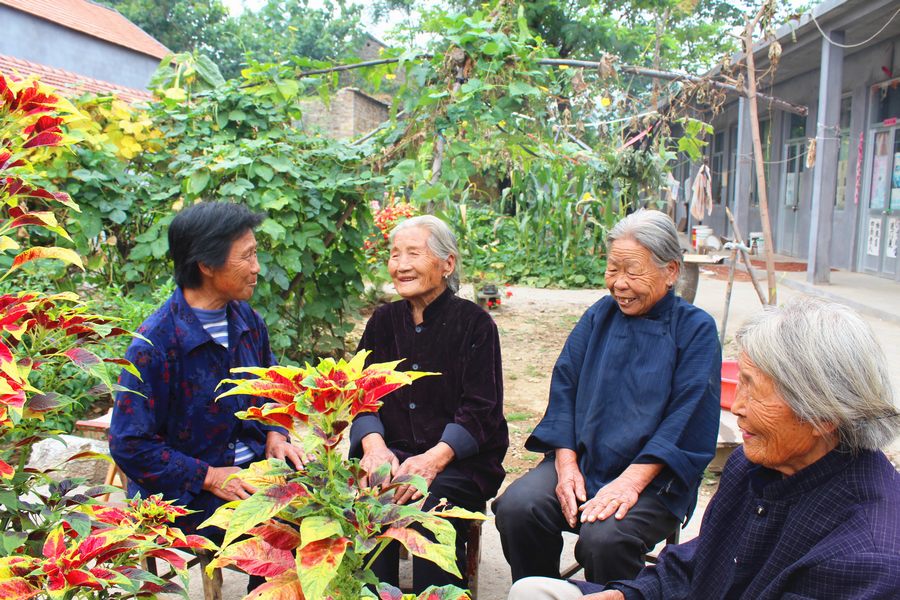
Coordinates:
column 260, row 507
column 55, row 544
column 443, row 555
column 256, row 557
column 317, row 564
column 64, row 254
column 6, row 470
column 278, row 535
column 284, row 587
column 17, row 588
column 278, row 416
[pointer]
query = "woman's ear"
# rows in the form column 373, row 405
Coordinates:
column 672, row 271
column 205, row 269
column 451, row 265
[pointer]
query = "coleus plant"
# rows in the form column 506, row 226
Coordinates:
column 56, row 539
column 313, row 533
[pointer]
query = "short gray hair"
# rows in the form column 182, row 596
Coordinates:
column 828, row 367
column 653, row 230
column 441, row 242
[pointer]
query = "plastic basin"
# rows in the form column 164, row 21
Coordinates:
column 729, row 383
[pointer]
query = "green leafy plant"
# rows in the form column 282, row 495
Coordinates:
column 314, row 532
column 56, row 540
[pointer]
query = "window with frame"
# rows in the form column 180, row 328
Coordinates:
column 716, row 166
column 887, row 100
column 796, row 148
column 840, row 193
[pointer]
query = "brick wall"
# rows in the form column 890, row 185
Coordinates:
column 351, row 113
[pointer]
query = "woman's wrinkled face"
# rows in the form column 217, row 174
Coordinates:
column 635, row 281
column 773, row 435
column 416, row 272
column 236, row 278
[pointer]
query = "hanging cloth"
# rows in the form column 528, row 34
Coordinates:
column 701, row 194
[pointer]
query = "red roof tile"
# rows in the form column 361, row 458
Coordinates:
column 94, row 20
column 68, row 83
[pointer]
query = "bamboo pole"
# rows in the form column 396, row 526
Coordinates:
column 784, row 105
column 798, row 109
column 758, row 153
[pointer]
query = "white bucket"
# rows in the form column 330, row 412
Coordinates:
column 702, row 232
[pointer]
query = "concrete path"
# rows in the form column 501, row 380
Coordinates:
column 877, row 299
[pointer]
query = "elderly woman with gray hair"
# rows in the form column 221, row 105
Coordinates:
column 448, row 429
column 809, row 507
column 631, row 422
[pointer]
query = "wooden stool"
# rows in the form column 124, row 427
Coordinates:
column 473, row 557
column 212, row 585
column 98, row 429
column 648, row 558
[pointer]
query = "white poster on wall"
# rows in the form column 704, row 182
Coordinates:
column 874, row 239
column 893, row 237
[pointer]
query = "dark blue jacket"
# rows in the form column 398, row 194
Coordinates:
column 168, row 429
column 638, row 390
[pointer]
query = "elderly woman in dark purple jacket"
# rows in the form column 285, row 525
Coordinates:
column 809, row 507
column 448, row 429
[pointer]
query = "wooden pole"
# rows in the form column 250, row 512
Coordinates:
column 758, row 153
column 731, row 265
column 740, row 241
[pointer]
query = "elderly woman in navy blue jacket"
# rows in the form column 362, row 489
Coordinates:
column 808, row 507
column 631, row 423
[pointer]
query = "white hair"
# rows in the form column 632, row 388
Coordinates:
column 828, row 367
column 653, row 230
column 441, row 242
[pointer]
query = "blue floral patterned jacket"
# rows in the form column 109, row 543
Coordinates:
column 167, row 429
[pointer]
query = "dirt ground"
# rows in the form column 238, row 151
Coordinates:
column 531, row 338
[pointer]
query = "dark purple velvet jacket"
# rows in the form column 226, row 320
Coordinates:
column 463, row 406
column 831, row 530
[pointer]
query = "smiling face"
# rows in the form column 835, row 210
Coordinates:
column 634, row 279
column 418, row 274
column 236, row 278
column 773, row 434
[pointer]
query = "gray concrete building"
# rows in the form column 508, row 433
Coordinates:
column 80, row 37
column 837, row 205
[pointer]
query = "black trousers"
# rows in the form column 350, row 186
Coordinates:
column 531, row 524
column 459, row 490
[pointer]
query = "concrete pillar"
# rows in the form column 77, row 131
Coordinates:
column 818, row 268
column 743, row 171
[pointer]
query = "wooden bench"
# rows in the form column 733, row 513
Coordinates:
column 98, row 429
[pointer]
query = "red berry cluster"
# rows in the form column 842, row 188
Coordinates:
column 385, row 220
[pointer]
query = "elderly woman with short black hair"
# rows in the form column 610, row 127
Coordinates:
column 168, row 433
column 631, row 422
column 809, row 507
column 448, row 429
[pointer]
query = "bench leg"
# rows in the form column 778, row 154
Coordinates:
column 473, row 557
column 212, row 586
